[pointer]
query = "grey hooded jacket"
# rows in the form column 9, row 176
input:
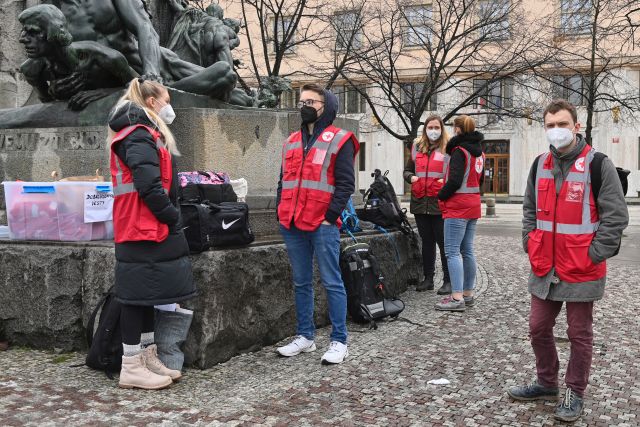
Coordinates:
column 614, row 217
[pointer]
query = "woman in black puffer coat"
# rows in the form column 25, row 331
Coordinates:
column 152, row 255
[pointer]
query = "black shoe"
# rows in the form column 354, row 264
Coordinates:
column 570, row 408
column 425, row 285
column 533, row 391
column 445, row 289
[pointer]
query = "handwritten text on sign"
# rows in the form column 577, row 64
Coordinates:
column 98, row 206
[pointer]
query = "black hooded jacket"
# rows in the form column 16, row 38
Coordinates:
column 148, row 272
column 470, row 142
column 344, row 171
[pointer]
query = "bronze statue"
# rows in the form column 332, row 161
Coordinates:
column 124, row 26
column 60, row 69
column 200, row 37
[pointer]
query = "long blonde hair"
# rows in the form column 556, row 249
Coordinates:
column 423, row 141
column 138, row 92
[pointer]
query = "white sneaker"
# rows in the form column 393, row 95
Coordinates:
column 299, row 345
column 336, row 354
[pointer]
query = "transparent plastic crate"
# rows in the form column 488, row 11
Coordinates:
column 53, row 211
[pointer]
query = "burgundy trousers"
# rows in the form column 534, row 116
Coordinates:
column 580, row 331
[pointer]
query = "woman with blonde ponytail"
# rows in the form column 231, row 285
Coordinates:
column 152, row 255
column 424, row 171
column 460, row 205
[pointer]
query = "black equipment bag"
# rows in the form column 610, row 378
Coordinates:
column 213, row 193
column 105, row 345
column 367, row 298
column 196, row 222
column 209, row 225
column 381, row 205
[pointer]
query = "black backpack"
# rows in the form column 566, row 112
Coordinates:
column 367, row 297
column 105, row 345
column 381, row 205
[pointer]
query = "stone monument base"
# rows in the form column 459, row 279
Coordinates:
column 245, row 301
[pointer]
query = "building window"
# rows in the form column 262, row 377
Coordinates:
column 494, row 19
column 362, row 153
column 575, row 16
column 418, row 29
column 493, row 94
column 348, row 30
column 571, row 88
column 410, row 98
column 350, row 99
column 289, row 99
column 280, row 29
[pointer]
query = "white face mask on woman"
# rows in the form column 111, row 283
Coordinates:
column 167, row 114
column 559, row 137
column 433, row 134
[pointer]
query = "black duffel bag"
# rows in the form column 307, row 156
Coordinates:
column 213, row 193
column 216, row 225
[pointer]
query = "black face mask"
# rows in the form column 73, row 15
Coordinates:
column 308, row 115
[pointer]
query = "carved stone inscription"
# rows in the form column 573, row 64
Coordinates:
column 69, row 139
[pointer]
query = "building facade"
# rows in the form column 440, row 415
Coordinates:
column 511, row 143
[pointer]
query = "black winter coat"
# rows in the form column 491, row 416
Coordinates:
column 148, row 272
column 472, row 143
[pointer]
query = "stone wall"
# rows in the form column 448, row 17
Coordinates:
column 48, row 290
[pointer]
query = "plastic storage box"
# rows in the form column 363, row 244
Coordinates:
column 56, row 210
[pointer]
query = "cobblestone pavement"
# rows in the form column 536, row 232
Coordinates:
column 384, row 381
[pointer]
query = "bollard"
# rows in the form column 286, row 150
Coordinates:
column 491, row 207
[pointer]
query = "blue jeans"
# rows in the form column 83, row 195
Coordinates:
column 325, row 243
column 458, row 247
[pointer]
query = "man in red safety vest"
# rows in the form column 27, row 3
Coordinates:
column 316, row 182
column 568, row 232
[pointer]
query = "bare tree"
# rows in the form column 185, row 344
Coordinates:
column 273, row 33
column 465, row 47
column 593, row 43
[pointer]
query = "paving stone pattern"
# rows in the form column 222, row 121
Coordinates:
column 384, row 380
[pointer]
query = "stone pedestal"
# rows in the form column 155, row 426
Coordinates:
column 246, row 300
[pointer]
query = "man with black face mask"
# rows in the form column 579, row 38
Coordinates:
column 316, row 180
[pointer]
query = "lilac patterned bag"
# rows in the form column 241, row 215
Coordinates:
column 203, row 177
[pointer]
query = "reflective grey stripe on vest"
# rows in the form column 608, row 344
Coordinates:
column 414, row 152
column 332, row 149
column 121, row 189
column 586, row 227
column 464, row 188
column 421, row 174
column 435, row 175
column 314, row 185
column 289, row 185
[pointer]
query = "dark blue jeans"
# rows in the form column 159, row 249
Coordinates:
column 301, row 246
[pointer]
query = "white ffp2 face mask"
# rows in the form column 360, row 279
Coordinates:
column 433, row 134
column 167, row 114
column 559, row 137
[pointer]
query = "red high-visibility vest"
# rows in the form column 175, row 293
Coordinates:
column 565, row 223
column 132, row 219
column 308, row 181
column 465, row 202
column 429, row 169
